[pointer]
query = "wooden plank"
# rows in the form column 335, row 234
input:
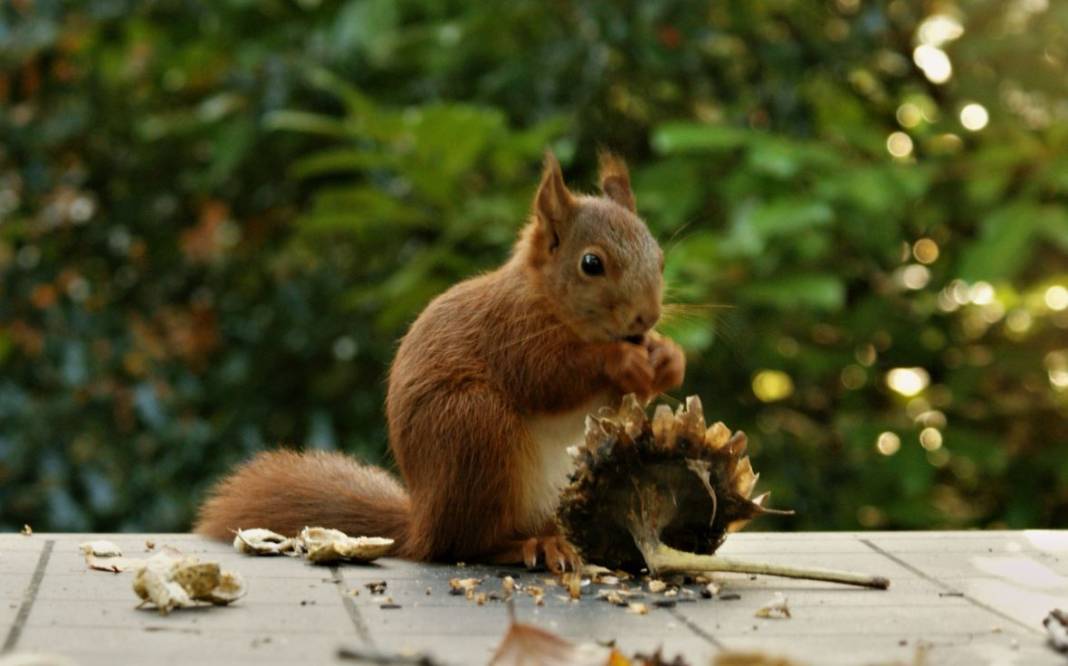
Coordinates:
column 968, row 597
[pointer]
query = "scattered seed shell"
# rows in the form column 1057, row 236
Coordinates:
column 777, row 608
column 259, row 541
column 322, row 545
column 170, row 580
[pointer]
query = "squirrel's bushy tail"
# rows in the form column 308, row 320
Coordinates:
column 285, row 491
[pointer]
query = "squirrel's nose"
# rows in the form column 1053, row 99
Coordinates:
column 645, row 320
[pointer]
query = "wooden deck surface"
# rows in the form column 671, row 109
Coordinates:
column 957, row 597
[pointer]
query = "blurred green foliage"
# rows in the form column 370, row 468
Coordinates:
column 216, row 218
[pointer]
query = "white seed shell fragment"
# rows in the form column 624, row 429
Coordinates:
column 776, row 608
column 101, row 548
column 170, row 580
column 322, row 545
column 259, row 541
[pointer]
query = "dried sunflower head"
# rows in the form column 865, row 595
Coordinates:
column 670, row 480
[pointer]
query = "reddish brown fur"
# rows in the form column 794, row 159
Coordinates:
column 281, row 490
column 530, row 339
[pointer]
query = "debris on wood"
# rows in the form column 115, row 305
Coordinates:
column 319, row 545
column 711, row 590
column 637, row 608
column 677, row 487
column 323, row 546
column 573, row 583
column 537, row 593
column 508, row 586
column 376, row 586
column 101, row 548
column 657, row 586
column 150, row 544
column 365, row 656
column 1056, row 624
column 26, row 530
column 464, row 586
column 777, row 608
column 106, row 556
column 170, row 580
column 259, row 541
column 615, row 598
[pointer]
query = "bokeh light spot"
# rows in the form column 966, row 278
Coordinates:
column 915, row 276
column 937, row 29
column 925, row 250
column 899, row 144
column 908, row 381
column 934, row 63
column 888, row 443
column 772, row 385
column 931, row 439
column 974, row 117
column 1056, row 298
column 909, row 115
column 981, row 293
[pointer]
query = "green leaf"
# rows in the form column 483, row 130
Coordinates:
column 336, row 161
column 788, row 216
column 681, row 137
column 1003, row 245
column 812, row 291
column 306, row 122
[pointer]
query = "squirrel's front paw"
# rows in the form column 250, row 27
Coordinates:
column 555, row 551
column 630, row 369
column 668, row 362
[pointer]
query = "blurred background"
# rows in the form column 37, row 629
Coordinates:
column 218, row 216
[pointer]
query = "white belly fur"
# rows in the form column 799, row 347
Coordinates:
column 551, row 464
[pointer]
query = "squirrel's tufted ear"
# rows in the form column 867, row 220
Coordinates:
column 553, row 204
column 615, row 181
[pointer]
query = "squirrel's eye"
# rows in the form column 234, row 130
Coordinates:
column 591, row 264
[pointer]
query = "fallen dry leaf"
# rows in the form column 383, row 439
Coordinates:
column 27, row 530
column 527, row 645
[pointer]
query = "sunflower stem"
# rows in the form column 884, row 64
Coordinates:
column 663, row 559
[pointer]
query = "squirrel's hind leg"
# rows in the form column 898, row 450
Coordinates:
column 464, row 473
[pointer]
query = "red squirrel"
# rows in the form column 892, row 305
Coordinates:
column 489, row 387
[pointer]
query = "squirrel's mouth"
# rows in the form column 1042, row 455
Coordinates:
column 634, row 339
